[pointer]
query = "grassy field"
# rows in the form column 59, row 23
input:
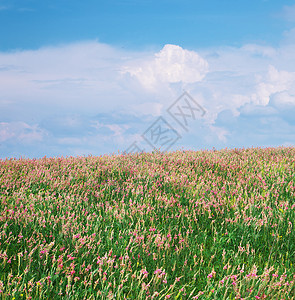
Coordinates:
column 179, row 225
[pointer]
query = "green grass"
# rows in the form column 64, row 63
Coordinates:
column 181, row 225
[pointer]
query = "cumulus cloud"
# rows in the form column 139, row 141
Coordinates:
column 283, row 99
column 171, row 65
column 276, row 81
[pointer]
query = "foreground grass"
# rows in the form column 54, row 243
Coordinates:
column 181, row 225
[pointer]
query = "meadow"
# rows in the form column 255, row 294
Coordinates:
column 175, row 225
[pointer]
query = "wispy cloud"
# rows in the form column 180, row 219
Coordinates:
column 2, row 7
column 20, row 132
column 288, row 13
column 26, row 9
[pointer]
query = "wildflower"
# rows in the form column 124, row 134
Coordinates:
column 144, row 271
column 211, row 274
column 234, row 277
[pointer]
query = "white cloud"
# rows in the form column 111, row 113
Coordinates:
column 283, row 99
column 220, row 132
column 21, row 132
column 264, row 51
column 117, row 130
column 83, row 76
column 5, row 132
column 275, row 81
column 171, row 65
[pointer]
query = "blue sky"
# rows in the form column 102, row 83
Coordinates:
column 139, row 24
column 91, row 77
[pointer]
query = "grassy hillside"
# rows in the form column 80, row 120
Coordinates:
column 180, row 225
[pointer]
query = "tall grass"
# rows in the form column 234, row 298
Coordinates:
column 179, row 225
